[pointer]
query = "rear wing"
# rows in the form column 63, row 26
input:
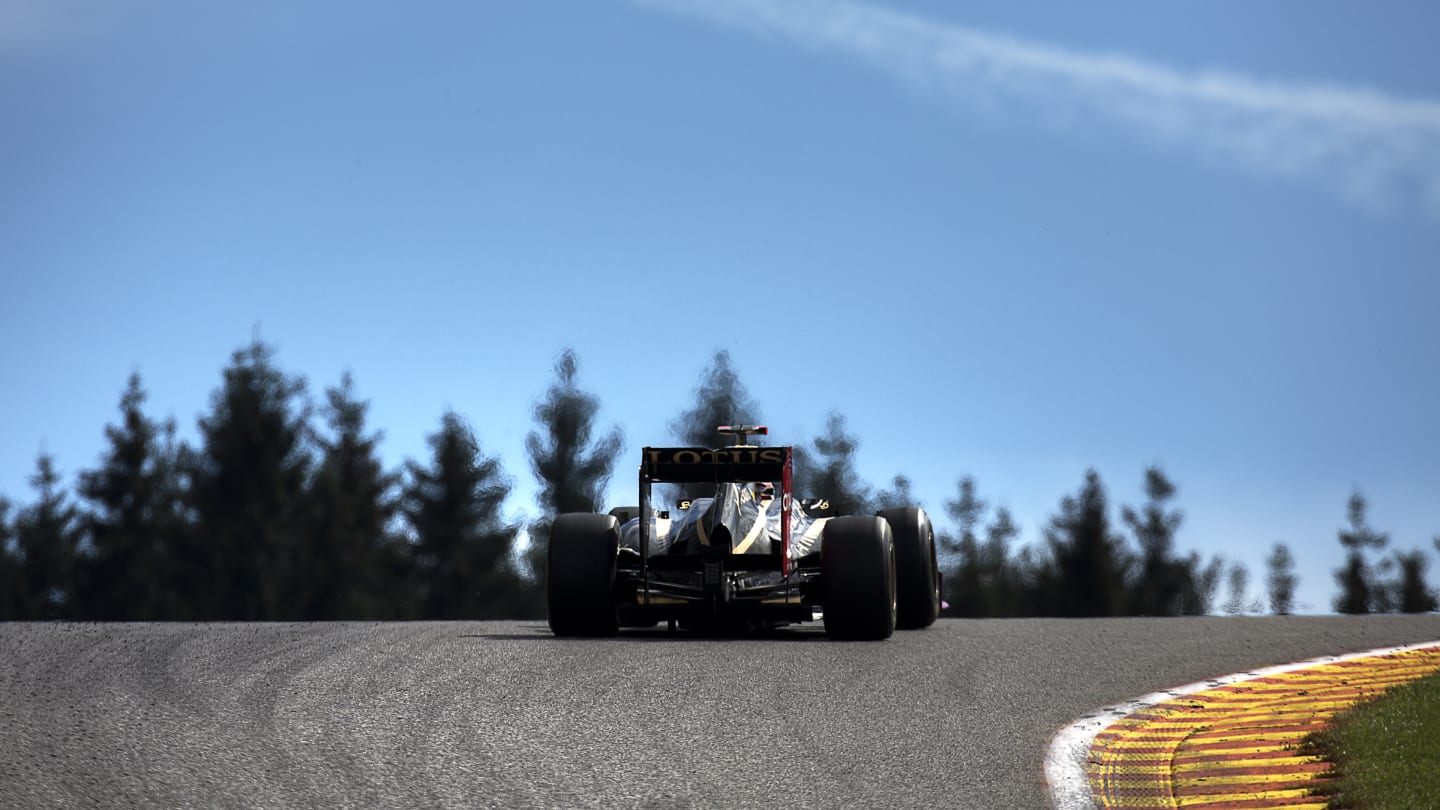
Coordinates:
column 698, row 465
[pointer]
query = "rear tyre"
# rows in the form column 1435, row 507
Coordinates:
column 857, row 561
column 918, row 597
column 623, row 514
column 580, row 575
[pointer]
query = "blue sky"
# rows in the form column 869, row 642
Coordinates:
column 1004, row 240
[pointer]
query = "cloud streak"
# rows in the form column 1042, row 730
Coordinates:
column 1368, row 146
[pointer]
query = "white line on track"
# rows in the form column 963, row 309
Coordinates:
column 1069, row 749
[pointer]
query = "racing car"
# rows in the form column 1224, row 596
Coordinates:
column 751, row 556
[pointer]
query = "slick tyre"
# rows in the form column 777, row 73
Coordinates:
column 580, row 575
column 857, row 561
column 916, row 573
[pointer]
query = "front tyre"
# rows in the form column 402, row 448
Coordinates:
column 580, row 575
column 857, row 561
column 916, row 573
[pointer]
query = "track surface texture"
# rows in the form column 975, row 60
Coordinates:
column 478, row 714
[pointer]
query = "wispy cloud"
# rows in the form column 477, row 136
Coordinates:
column 1368, row 146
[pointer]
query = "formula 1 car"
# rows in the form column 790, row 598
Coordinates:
column 742, row 558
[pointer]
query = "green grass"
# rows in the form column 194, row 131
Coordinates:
column 1386, row 751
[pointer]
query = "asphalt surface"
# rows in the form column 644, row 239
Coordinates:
column 471, row 714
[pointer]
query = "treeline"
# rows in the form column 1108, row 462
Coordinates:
column 283, row 510
column 1087, row 566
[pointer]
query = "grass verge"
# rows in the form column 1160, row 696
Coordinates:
column 1386, row 751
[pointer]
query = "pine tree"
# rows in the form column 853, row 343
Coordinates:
column 1385, row 589
column 1090, row 560
column 1359, row 590
column 249, row 482
column 178, row 543
column 899, row 494
column 965, row 583
column 1039, row 571
column 1161, row 579
column 462, row 546
column 1201, row 582
column 721, row 399
column 1281, row 579
column 1004, row 587
column 48, row 537
column 1413, row 595
column 1238, row 577
column 12, row 601
column 354, row 500
column 827, row 470
column 571, row 464
column 133, row 519
column 1354, row 581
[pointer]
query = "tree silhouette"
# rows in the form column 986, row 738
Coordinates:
column 1281, row 579
column 570, row 463
column 1359, row 591
column 135, row 519
column 48, row 539
column 965, row 582
column 1354, row 581
column 1090, row 560
column 1413, row 595
column 248, row 485
column 1004, row 590
column 720, row 399
column 1039, row 570
column 1203, row 582
column 463, row 548
column 1162, row 580
column 354, row 502
column 827, row 469
column 899, row 494
column 12, row 601
column 1238, row 577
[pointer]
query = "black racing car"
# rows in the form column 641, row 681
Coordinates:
column 743, row 558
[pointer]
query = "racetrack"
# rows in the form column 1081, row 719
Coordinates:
column 470, row 714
